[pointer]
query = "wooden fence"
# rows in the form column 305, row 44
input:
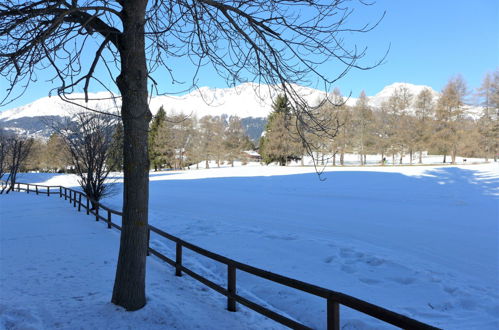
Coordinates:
column 333, row 299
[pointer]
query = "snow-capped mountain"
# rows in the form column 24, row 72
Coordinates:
column 247, row 100
column 383, row 96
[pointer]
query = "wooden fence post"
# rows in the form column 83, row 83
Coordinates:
column 60, row 192
column 88, row 205
column 178, row 260
column 333, row 315
column 96, row 211
column 36, row 189
column 74, row 200
column 79, row 202
column 231, row 287
column 108, row 219
column 48, row 191
column 18, row 187
column 27, row 188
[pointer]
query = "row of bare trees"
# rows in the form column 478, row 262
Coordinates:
column 177, row 141
column 14, row 150
column 403, row 125
column 87, row 144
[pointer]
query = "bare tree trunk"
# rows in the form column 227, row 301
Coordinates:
column 421, row 157
column 207, row 164
column 393, row 158
column 342, row 158
column 129, row 285
column 410, row 156
column 453, row 156
column 365, row 159
column 445, row 157
column 334, row 159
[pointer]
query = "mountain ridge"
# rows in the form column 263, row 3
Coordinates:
column 248, row 100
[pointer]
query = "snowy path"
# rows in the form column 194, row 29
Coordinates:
column 57, row 270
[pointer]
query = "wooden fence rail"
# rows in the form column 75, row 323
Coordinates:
column 333, row 299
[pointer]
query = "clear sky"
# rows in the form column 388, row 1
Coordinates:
column 429, row 40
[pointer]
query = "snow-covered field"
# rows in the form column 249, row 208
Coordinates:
column 421, row 240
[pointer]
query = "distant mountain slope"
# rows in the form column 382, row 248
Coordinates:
column 249, row 100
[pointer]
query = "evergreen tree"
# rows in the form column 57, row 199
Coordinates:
column 156, row 123
column 280, row 143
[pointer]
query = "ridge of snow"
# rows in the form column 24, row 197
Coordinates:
column 245, row 100
column 388, row 90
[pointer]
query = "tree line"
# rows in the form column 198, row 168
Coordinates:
column 178, row 141
column 404, row 125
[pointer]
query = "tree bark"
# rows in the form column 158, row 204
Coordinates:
column 129, row 285
column 421, row 157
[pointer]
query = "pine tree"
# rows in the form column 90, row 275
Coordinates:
column 157, row 121
column 280, row 143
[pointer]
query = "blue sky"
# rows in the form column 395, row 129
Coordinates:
column 429, row 40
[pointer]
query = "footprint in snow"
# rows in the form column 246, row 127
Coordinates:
column 348, row 269
column 404, row 280
column 328, row 259
column 369, row 281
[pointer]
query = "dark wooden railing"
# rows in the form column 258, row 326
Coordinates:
column 333, row 299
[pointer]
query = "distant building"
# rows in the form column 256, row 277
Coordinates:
column 252, row 155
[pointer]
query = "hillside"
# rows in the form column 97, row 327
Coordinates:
column 249, row 100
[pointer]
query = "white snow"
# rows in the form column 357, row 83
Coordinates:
column 245, row 100
column 385, row 94
column 419, row 240
column 57, row 269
